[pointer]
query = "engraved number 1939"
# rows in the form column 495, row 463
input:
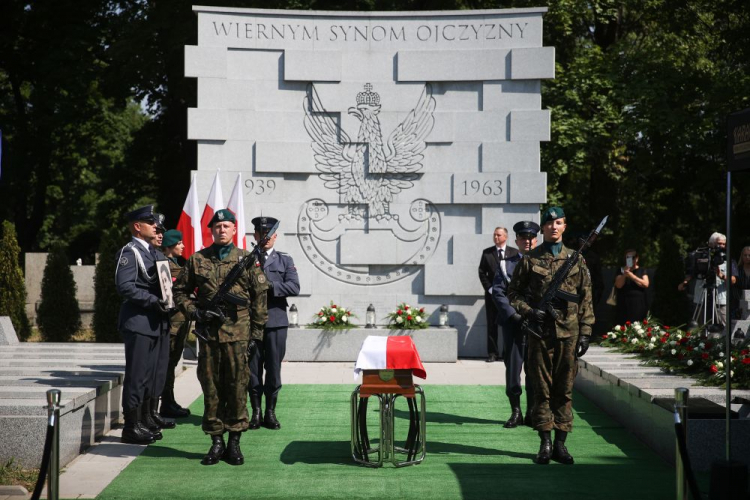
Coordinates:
column 487, row 188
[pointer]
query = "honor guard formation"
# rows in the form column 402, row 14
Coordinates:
column 235, row 301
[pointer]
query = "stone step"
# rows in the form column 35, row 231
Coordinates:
column 51, row 382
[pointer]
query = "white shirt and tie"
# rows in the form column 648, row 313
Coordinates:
column 500, row 253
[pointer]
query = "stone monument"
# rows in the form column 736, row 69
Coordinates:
column 389, row 144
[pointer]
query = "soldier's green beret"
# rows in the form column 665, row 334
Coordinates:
column 223, row 215
column 171, row 238
column 552, row 213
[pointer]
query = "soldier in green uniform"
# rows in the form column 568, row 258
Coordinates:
column 552, row 359
column 223, row 369
column 172, row 247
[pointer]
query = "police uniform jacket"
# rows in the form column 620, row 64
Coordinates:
column 531, row 279
column 279, row 268
column 500, row 289
column 137, row 283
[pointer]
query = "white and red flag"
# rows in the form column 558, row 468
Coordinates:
column 189, row 223
column 237, row 207
column 389, row 353
column 214, row 202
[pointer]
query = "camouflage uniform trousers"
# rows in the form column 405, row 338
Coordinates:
column 552, row 368
column 223, row 373
column 177, row 335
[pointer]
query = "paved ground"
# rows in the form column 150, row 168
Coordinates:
column 90, row 473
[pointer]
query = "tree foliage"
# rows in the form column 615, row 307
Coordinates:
column 58, row 317
column 12, row 285
column 638, row 107
column 107, row 301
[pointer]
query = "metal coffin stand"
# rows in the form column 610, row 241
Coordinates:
column 387, row 385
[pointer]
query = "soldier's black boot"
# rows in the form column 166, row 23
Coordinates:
column 215, row 452
column 255, row 419
column 233, row 454
column 132, row 433
column 164, row 424
column 559, row 451
column 545, row 448
column 170, row 408
column 269, row 419
column 515, row 416
column 148, row 422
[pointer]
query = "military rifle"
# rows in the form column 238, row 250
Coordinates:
column 213, row 310
column 535, row 327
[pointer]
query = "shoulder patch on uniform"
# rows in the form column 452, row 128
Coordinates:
column 124, row 261
column 261, row 278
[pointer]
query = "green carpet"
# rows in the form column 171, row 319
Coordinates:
column 469, row 455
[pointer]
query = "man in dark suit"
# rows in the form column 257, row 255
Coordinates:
column 283, row 282
column 494, row 259
column 514, row 342
column 142, row 323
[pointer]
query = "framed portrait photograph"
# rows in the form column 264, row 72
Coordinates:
column 165, row 281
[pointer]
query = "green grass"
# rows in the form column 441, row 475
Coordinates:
column 469, row 455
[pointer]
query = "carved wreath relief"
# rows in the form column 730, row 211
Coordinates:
column 367, row 173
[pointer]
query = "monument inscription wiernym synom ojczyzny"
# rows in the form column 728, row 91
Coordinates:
column 389, row 144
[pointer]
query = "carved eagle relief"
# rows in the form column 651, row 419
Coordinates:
column 368, row 172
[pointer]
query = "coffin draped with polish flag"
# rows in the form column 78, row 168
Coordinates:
column 389, row 353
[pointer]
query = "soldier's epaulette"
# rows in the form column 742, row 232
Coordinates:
column 281, row 253
column 130, row 244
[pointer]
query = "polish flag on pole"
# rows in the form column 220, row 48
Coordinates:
column 214, row 202
column 236, row 206
column 188, row 224
column 389, row 353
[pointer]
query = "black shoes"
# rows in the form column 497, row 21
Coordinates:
column 134, row 432
column 255, row 419
column 516, row 418
column 545, row 449
column 233, row 454
column 216, row 452
column 491, row 358
column 148, row 420
column 170, row 408
column 560, row 452
column 164, row 424
column 269, row 419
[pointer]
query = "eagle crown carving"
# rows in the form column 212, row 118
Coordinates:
column 368, row 173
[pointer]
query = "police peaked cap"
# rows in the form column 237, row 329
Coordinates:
column 263, row 224
column 552, row 213
column 145, row 214
column 171, row 238
column 526, row 227
column 223, row 215
column 160, row 222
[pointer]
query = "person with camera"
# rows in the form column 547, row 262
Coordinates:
column 631, row 284
column 709, row 267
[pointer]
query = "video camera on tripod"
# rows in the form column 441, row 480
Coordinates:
column 703, row 262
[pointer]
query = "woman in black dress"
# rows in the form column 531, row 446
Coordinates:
column 631, row 284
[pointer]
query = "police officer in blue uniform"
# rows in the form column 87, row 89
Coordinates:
column 283, row 282
column 514, row 342
column 142, row 323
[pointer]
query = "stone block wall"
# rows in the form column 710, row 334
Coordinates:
column 389, row 144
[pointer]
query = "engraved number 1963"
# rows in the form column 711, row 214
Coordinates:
column 487, row 188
